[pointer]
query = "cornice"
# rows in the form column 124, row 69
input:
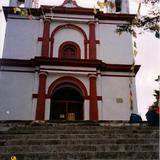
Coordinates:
column 98, row 64
column 73, row 11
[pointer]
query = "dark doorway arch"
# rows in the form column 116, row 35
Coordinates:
column 66, row 103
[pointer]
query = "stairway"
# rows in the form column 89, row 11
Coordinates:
column 82, row 140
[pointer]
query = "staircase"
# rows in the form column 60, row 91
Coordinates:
column 83, row 140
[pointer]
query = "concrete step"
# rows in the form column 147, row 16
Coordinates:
column 75, row 148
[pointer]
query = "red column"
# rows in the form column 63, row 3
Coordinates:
column 40, row 110
column 92, row 41
column 45, row 42
column 93, row 98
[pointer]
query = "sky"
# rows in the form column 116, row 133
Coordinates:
column 148, row 55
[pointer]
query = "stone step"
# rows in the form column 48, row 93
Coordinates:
column 75, row 148
column 76, row 131
column 130, row 128
column 82, row 125
column 77, row 141
column 83, row 156
column 77, row 136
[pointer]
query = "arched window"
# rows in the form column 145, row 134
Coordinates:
column 69, row 50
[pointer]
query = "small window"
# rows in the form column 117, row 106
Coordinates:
column 69, row 50
column 118, row 5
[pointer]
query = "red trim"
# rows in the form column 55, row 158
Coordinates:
column 71, row 70
column 66, row 26
column 15, row 70
column 92, row 41
column 40, row 39
column 112, row 75
column 40, row 110
column 97, row 41
column 114, row 16
column 37, row 61
column 70, row 43
column 67, row 79
column 93, row 98
column 36, row 95
column 99, row 98
column 76, row 11
column 45, row 42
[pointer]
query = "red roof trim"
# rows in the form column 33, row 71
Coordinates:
column 76, row 11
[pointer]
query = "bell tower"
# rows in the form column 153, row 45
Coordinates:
column 22, row 3
column 114, row 6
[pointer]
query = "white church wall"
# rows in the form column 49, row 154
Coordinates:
column 115, row 98
column 113, row 48
column 16, row 96
column 21, row 40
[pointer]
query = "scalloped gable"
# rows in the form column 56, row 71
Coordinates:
column 70, row 4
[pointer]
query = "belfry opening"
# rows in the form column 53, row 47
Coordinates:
column 67, row 103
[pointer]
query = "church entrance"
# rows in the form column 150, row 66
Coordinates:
column 67, row 103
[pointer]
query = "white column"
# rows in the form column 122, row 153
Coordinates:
column 86, row 109
column 47, row 109
column 99, row 93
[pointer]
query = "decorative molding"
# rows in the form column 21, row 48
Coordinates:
column 76, row 11
column 43, row 73
column 98, row 64
column 92, row 75
column 70, row 26
column 45, row 39
column 78, row 50
column 92, row 40
column 93, row 105
column 40, row 109
column 72, row 2
column 69, row 80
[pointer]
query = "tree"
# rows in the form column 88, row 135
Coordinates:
column 153, row 112
column 157, row 96
column 149, row 22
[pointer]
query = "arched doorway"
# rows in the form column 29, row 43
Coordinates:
column 66, row 103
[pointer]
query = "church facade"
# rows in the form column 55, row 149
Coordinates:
column 66, row 63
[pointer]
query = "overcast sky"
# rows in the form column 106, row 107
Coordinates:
column 148, row 56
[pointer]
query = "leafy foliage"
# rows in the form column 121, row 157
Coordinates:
column 149, row 22
column 157, row 96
